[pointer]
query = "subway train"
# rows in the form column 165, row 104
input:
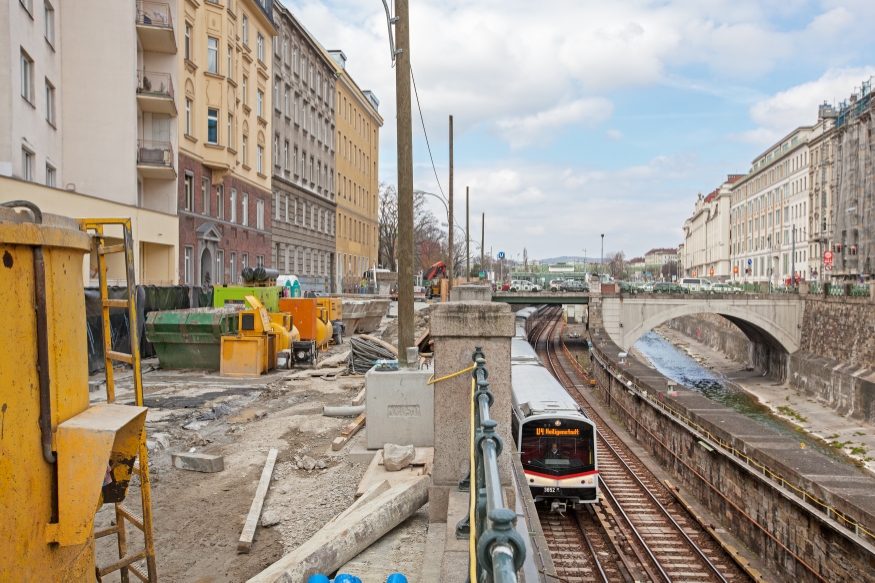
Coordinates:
column 555, row 438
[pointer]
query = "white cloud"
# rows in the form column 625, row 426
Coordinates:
column 544, row 125
column 781, row 113
column 614, row 135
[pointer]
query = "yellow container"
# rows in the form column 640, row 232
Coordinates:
column 27, row 480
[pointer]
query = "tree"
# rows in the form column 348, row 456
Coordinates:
column 669, row 269
column 428, row 238
column 617, row 264
column 387, row 226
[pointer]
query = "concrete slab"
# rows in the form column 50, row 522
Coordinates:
column 400, row 407
column 433, row 553
column 199, row 462
column 359, row 453
column 376, row 473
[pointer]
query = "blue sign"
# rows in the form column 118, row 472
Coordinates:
column 501, row 254
column 750, row 261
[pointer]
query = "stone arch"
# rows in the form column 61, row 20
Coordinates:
column 245, row 127
column 261, row 138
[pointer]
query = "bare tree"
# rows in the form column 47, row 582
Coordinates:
column 428, row 238
column 387, row 224
column 617, row 264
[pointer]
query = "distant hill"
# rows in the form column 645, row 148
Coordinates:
column 569, row 259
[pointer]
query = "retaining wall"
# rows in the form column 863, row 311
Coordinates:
column 794, row 536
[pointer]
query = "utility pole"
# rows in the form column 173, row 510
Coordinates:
column 405, row 181
column 467, row 233
column 482, row 242
column 602, row 257
column 450, row 266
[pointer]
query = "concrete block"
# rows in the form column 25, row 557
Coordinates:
column 438, row 503
column 199, row 462
column 471, row 293
column 472, row 319
column 400, row 406
column 359, row 453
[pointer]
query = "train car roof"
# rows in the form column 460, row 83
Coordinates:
column 537, row 392
column 526, row 312
column 522, row 352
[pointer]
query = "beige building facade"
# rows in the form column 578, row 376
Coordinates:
column 223, row 191
column 71, row 119
column 706, row 235
column 357, row 184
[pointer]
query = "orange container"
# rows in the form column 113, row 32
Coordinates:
column 304, row 315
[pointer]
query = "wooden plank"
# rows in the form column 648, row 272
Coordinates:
column 374, row 491
column 333, row 360
column 359, row 399
column 348, row 432
column 245, row 543
column 425, row 335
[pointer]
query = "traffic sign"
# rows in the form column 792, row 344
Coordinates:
column 712, row 271
column 694, row 273
column 501, row 254
column 827, row 258
column 750, row 261
column 734, row 269
column 827, row 267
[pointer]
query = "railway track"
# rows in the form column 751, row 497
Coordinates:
column 644, row 534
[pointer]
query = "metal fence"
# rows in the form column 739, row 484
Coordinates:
column 497, row 551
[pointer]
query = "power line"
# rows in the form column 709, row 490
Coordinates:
column 415, row 92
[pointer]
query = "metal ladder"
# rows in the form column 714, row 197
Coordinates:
column 141, row 564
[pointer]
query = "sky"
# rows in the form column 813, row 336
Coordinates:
column 576, row 118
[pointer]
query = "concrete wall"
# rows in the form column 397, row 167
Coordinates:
column 771, row 520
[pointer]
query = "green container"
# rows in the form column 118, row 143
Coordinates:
column 190, row 338
column 232, row 295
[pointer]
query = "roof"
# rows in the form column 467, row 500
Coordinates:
column 662, row 251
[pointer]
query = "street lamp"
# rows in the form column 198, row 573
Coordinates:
column 602, row 257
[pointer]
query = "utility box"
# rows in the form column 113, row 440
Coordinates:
column 244, row 356
column 190, row 338
column 304, row 315
column 400, row 407
column 236, row 295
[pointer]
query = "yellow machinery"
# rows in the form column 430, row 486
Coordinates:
column 260, row 337
column 60, row 459
column 334, row 312
column 311, row 320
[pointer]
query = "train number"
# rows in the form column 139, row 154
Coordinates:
column 550, row 490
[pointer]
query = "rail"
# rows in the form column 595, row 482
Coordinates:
column 497, row 551
column 847, row 522
column 154, row 153
column 154, row 14
column 154, row 84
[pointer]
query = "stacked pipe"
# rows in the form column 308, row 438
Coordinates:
column 363, row 353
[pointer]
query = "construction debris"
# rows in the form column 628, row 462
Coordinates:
column 365, row 351
column 245, row 543
column 348, row 432
column 334, row 360
column 359, row 399
column 397, row 457
column 341, row 540
column 343, row 411
column 199, row 462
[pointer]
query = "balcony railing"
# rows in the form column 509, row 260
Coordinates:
column 155, row 153
column 154, row 14
column 151, row 84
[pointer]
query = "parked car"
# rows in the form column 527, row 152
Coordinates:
column 667, row 287
column 696, row 284
column 724, row 288
column 573, row 285
column 556, row 285
column 523, row 286
column 505, row 286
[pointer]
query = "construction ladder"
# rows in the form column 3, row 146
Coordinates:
column 141, row 564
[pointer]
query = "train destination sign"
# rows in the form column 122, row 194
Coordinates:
column 556, row 432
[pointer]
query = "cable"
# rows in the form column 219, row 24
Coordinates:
column 422, row 119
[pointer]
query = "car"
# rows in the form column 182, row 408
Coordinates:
column 696, row 284
column 556, row 285
column 505, row 286
column 572, row 285
column 724, row 288
column 667, row 287
column 646, row 288
column 523, row 286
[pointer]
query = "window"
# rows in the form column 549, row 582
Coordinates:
column 276, row 94
column 49, row 32
column 213, row 55
column 26, row 77
column 276, row 206
column 187, row 42
column 230, row 61
column 319, row 84
column 259, row 106
column 245, row 210
column 51, row 175
column 286, row 50
column 213, row 126
column 286, row 155
column 276, row 150
column 188, row 192
column 232, row 273
column 259, row 153
column 276, row 46
column 189, row 265
column 245, row 151
column 205, row 195
column 310, row 83
column 230, row 130
column 259, row 260
column 28, row 5
column 295, row 161
column 50, row 103
column 220, row 267
column 245, row 30
column 286, row 201
column 303, row 164
column 220, row 201
column 187, row 116
column 260, row 42
column 245, row 98
column 259, row 217
column 297, row 107
column 234, row 206
column 295, row 59
column 286, row 101
column 310, row 171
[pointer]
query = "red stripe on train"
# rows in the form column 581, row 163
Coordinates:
column 569, row 476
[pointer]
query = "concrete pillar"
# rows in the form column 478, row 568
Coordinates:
column 471, row 293
column 457, row 327
column 803, row 288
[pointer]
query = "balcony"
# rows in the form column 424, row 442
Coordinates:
column 155, row 27
column 155, row 93
column 155, row 159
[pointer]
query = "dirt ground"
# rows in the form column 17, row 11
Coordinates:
column 198, row 517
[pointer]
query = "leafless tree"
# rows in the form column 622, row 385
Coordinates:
column 617, row 264
column 387, row 225
column 429, row 241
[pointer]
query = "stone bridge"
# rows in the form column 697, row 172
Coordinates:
column 771, row 320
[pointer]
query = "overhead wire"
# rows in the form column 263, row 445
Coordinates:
column 422, row 119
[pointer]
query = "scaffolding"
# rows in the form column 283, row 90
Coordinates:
column 854, row 232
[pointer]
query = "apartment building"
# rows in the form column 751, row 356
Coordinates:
column 821, row 216
column 769, row 225
column 358, row 124
column 706, row 235
column 304, row 207
column 224, row 185
column 71, row 119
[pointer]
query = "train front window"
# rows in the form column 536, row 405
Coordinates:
column 557, row 447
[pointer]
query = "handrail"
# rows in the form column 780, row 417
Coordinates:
column 154, row 14
column 831, row 512
column 155, row 84
column 498, row 551
column 154, row 152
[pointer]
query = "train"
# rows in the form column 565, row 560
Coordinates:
column 555, row 437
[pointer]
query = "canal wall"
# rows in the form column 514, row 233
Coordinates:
column 807, row 516
column 832, row 329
